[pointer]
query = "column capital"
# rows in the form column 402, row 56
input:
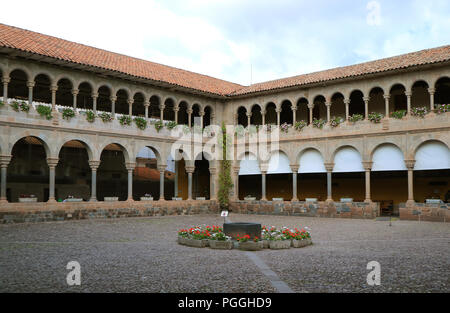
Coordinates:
column 31, row 83
column 249, row 114
column 94, row 95
column 130, row 166
column 130, row 101
column 310, row 106
column 387, row 97
column 94, row 164
column 189, row 111
column 213, row 170
column 52, row 162
column 329, row 166
column 4, row 160
column 162, row 106
column 113, row 98
column 431, row 91
column 262, row 112
column 293, row 107
column 346, row 101
column 366, row 99
column 278, row 110
column 367, row 165
column 176, row 108
column 295, row 168
column 236, row 169
column 410, row 164
column 408, row 94
column 190, row 169
column 162, row 168
column 327, row 104
column 202, row 113
column 6, row 79
column 53, row 88
column 147, row 103
column 75, row 92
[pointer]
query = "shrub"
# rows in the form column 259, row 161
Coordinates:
column 442, row 108
column 335, row 121
column 14, row 105
column 124, row 120
column 298, row 126
column 159, row 125
column 25, row 107
column 419, row 112
column 355, row 118
column 45, row 111
column 375, row 117
column 318, row 123
column 171, row 125
column 90, row 116
column 398, row 114
column 106, row 117
column 225, row 181
column 285, row 127
column 68, row 113
column 140, row 122
column 2, row 103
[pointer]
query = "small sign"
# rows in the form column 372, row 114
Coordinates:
column 224, row 214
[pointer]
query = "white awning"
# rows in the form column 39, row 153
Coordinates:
column 432, row 156
column 279, row 164
column 348, row 160
column 311, row 161
column 249, row 166
column 388, row 158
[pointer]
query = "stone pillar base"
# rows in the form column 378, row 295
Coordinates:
column 368, row 201
column 4, row 200
column 328, row 201
column 294, row 200
column 51, row 200
column 410, row 203
column 93, row 200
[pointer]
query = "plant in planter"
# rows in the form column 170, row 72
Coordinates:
column 300, row 238
column 398, row 114
column 285, row 127
column 239, row 130
column 442, row 108
column 356, row 118
column 249, row 245
column 24, row 107
column 68, row 113
column 269, row 127
column 2, row 103
column 171, row 125
column 106, row 117
column 298, row 126
column 159, row 125
column 125, row 120
column 335, row 121
column 44, row 111
column 318, row 123
column 186, row 129
column 221, row 241
column 90, row 116
column 375, row 117
column 14, row 105
column 279, row 239
column 419, row 112
column 140, row 122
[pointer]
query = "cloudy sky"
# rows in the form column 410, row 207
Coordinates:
column 242, row 41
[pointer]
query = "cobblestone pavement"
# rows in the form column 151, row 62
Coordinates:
column 141, row 255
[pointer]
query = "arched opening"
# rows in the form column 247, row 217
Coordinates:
column 279, row 177
column 84, row 98
column 207, row 116
column 348, row 175
column 312, row 177
column 256, row 118
column 201, row 179
column 28, row 172
column 122, row 106
column 242, row 117
column 420, row 96
column 389, row 182
column 104, row 103
column 146, row 177
column 302, row 110
column 398, row 100
column 250, row 181
column 442, row 93
column 320, row 109
column 337, row 108
column 271, row 114
column 432, row 172
column 41, row 90
column 1, row 85
column 154, row 110
column 195, row 118
column 183, row 118
column 286, row 113
column 138, row 104
column 357, row 105
column 112, row 175
column 169, row 113
column 376, row 101
column 17, row 87
column 73, row 173
column 64, row 93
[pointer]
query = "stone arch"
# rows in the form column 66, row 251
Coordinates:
column 50, row 76
column 24, row 69
column 17, row 87
column 385, row 142
column 86, row 143
column 436, row 158
column 242, row 116
column 154, row 148
column 419, row 93
column 283, row 166
column 43, row 138
column 123, row 147
column 317, row 168
column 354, row 157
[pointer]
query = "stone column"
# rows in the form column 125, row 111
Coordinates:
column 190, row 170
column 328, row 105
column 347, row 108
column 212, row 183
column 5, row 81
column 386, row 105
column 130, row 107
column 294, row 114
column 53, row 89
column 263, row 115
column 310, row 113
column 189, row 112
column 410, row 166
column 74, row 98
column 30, row 85
column 213, row 116
column 278, row 116
column 175, row 111
column 161, row 169
column 94, row 166
column 130, row 168
column 249, row 117
column 202, row 114
column 431, row 91
column 294, row 169
column 368, row 168
column 52, row 162
column 408, row 102
column 94, row 96
column 236, row 182
column 263, row 185
column 329, row 168
column 113, row 106
column 161, row 112
column 4, row 162
column 366, row 107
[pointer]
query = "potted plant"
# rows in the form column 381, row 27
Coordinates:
column 45, row 111
column 245, row 243
column 335, row 121
column 68, row 113
column 375, row 117
column 106, row 117
column 442, row 108
column 419, row 112
column 280, row 239
column 198, row 237
column 140, row 122
column 147, row 197
column 171, row 125
column 250, row 198
column 298, row 126
column 285, row 127
column 265, row 235
column 356, row 118
column 125, row 120
column 301, row 238
column 398, row 114
column 90, row 116
column 318, row 123
column 219, row 240
column 159, row 125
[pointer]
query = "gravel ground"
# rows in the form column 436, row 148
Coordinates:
column 141, row 255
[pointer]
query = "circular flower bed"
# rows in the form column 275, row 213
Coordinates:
column 271, row 238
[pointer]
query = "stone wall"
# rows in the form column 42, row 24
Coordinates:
column 426, row 212
column 44, row 212
column 313, row 209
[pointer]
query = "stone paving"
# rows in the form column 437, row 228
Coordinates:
column 141, row 255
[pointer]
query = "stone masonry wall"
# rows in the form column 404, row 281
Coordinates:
column 426, row 212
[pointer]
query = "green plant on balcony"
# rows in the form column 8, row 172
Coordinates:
column 68, row 113
column 442, row 108
column 299, row 125
column 419, row 112
column 186, row 129
column 25, row 107
column 318, row 123
column 398, row 114
column 171, row 125
column 106, row 117
column 159, row 125
column 252, row 129
column 14, row 105
column 375, row 117
column 285, row 127
column 356, row 118
column 125, row 120
column 140, row 122
column 2, row 103
column 44, row 111
column 90, row 116
column 269, row 127
column 335, row 121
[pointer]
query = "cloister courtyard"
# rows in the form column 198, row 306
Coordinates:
column 142, row 255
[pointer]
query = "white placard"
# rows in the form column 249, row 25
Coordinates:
column 224, row 214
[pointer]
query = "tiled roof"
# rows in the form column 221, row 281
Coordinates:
column 25, row 40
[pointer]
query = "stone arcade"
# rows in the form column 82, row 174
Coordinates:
column 102, row 168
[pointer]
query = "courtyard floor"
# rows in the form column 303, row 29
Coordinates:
column 141, row 255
